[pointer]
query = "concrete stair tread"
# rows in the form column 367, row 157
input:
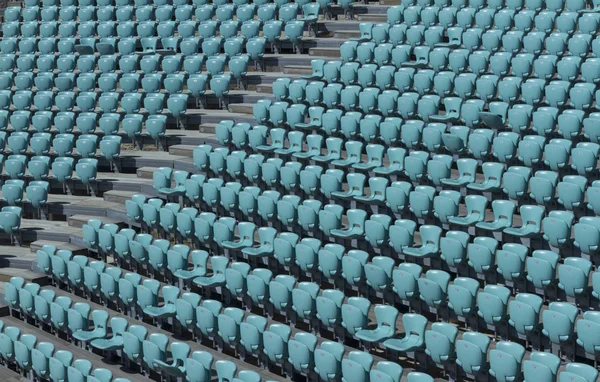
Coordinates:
column 37, row 245
column 77, row 221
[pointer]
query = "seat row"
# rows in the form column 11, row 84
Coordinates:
column 463, row 297
column 360, row 134
column 229, row 326
column 134, row 342
column 519, row 183
column 62, row 145
column 45, row 361
column 141, row 3
column 377, row 230
column 64, row 169
column 388, row 86
column 162, row 14
column 449, row 13
column 110, row 102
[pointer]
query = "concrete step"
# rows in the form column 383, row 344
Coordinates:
column 267, row 89
column 115, row 196
column 244, row 108
column 30, row 276
column 183, row 150
column 325, row 52
column 346, row 34
column 375, row 18
column 298, row 69
column 77, row 221
column 145, row 172
column 37, row 245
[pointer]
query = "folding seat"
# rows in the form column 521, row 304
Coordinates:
column 154, row 349
column 485, row 248
column 492, row 303
column 148, row 63
column 9, row 46
column 18, row 142
column 505, row 360
column 461, row 296
column 530, row 149
column 585, row 157
column 570, row 123
column 439, row 342
column 586, row 236
column 573, row 275
column 515, row 181
column 430, row 241
column 15, row 166
column 275, row 341
column 556, row 153
column 217, row 278
column 59, row 363
column 589, row 69
column 559, row 322
column 579, row 370
column 585, row 330
column 532, row 215
column 568, row 68
column 26, row 297
column 571, row 191
column 445, row 205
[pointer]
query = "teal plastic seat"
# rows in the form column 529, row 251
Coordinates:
column 40, row 359
column 476, row 207
column 58, row 364
column 471, row 352
column 198, row 367
column 301, row 350
column 185, row 308
column 251, row 333
column 557, row 227
column 415, row 165
column 440, row 341
column 306, row 254
column 505, row 360
column 328, row 360
column 357, row 366
column 481, row 253
column 284, row 248
column 461, row 296
column 433, row 288
column 275, row 341
column 573, row 276
column 524, row 312
column 578, row 371
column 229, row 325
column 532, row 220
column 503, row 211
column 355, row 228
column 154, row 349
column 414, row 334
column 217, row 278
column 542, row 268
column 402, row 235
column 453, row 247
column 556, row 153
column 492, row 304
column 280, row 292
column 585, row 332
column 58, row 312
column 445, row 205
column 511, row 261
column 258, row 285
column 430, row 242
column 586, row 238
column 386, row 317
column 329, row 305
